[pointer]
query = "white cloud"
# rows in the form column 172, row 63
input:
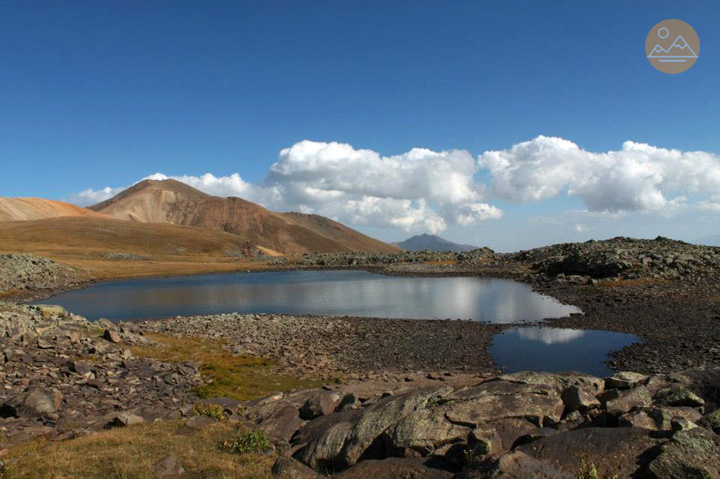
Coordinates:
column 421, row 190
column 638, row 177
column 712, row 204
column 429, row 191
column 91, row 197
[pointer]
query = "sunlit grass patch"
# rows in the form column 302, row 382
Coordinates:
column 130, row 453
column 225, row 374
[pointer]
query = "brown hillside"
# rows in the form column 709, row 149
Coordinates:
column 86, row 242
column 28, row 209
column 173, row 202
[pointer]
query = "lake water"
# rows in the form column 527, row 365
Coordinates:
column 558, row 350
column 352, row 293
column 359, row 293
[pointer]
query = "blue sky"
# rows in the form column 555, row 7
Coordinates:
column 97, row 94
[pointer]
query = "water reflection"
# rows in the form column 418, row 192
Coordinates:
column 551, row 335
column 354, row 293
column 558, row 350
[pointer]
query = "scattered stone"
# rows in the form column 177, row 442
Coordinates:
column 678, row 396
column 112, row 336
column 168, row 467
column 625, row 380
column 619, row 402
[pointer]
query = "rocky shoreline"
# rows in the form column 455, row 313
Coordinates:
column 65, row 377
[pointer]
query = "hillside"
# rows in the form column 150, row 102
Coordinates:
column 27, row 209
column 173, row 202
column 115, row 248
column 433, row 243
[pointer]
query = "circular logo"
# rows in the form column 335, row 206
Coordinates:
column 672, row 46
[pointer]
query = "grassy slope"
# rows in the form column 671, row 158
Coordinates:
column 85, row 242
column 130, row 453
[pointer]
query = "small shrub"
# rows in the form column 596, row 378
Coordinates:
column 588, row 470
column 212, row 410
column 247, row 442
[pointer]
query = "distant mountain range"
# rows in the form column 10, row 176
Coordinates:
column 433, row 243
column 170, row 202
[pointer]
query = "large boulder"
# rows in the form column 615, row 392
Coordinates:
column 611, row 450
column 34, row 402
column 319, row 403
column 423, row 432
column 540, row 409
column 693, row 454
column 320, row 442
column 383, row 414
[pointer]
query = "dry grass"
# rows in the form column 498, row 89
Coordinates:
column 238, row 377
column 445, row 262
column 85, row 242
column 130, row 453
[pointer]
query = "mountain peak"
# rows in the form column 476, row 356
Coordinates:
column 431, row 242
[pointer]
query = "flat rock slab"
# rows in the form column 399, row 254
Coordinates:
column 538, row 408
column 612, row 450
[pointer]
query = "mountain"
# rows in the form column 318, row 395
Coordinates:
column 713, row 240
column 433, row 243
column 27, row 209
column 174, row 202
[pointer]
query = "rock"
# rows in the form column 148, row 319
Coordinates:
column 639, row 419
column 319, row 404
column 35, row 402
column 348, row 402
column 282, row 424
column 200, row 422
column 483, row 441
column 559, row 382
column 516, row 465
column 538, row 408
column 619, row 402
column 612, row 450
column 678, row 396
column 625, row 380
column 663, row 416
column 393, row 468
column 320, row 442
column 126, row 419
column 510, row 431
column 380, row 416
column 81, row 367
column 422, row 432
column 111, row 336
column 289, row 468
column 169, row 467
column 577, row 399
column 48, row 311
column 688, row 455
column 711, row 421
column 681, row 424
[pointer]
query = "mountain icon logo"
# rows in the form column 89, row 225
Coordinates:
column 675, row 57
